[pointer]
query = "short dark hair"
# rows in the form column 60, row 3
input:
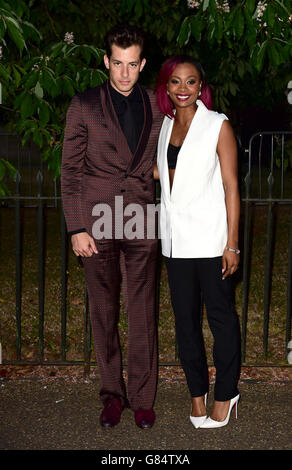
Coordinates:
column 124, row 35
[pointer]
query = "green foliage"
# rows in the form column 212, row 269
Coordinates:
column 41, row 87
column 245, row 51
column 233, row 43
column 5, row 169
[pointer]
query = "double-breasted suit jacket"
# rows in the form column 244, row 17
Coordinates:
column 98, row 166
column 97, row 161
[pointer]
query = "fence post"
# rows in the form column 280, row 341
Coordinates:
column 289, row 286
column 18, row 264
column 40, row 215
column 245, row 284
column 268, row 265
column 64, row 264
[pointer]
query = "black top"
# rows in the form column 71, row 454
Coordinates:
column 172, row 153
column 135, row 120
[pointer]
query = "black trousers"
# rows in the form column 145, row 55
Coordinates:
column 190, row 280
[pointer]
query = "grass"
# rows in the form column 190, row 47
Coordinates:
column 75, row 297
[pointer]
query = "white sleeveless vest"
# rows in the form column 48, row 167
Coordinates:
column 193, row 218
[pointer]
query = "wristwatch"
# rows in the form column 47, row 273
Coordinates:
column 234, row 250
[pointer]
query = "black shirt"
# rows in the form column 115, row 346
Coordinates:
column 136, row 105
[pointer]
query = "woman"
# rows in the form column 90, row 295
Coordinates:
column 199, row 219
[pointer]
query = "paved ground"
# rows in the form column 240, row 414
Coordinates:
column 60, row 415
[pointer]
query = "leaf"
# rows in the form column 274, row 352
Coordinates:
column 240, row 69
column 31, row 80
column 15, row 32
column 260, row 54
column 282, row 6
column 212, row 26
column 4, row 73
column 2, row 28
column 185, row 32
column 270, row 15
column 31, row 32
column 56, row 49
column 38, row 138
column 26, row 136
column 39, row 92
column 2, row 169
column 274, row 54
column 205, row 5
column 59, row 85
column 219, row 28
column 85, row 53
column 44, row 113
column 250, row 6
column 60, row 68
column 238, row 24
column 18, row 99
column 17, row 76
column 233, row 88
column 98, row 53
column 97, row 78
column 11, row 169
column 138, row 8
column 251, row 35
column 197, row 26
column 68, row 87
column 48, row 81
column 27, row 106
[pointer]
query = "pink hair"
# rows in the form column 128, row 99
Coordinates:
column 163, row 101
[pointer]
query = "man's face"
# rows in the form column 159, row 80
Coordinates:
column 124, row 66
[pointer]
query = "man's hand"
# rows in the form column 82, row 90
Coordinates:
column 83, row 244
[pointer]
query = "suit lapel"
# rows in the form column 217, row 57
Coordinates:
column 112, row 121
column 145, row 131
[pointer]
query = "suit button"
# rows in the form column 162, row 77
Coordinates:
column 123, row 190
column 126, row 175
column 143, row 174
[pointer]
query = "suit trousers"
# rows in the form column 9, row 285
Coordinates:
column 103, row 281
column 190, row 281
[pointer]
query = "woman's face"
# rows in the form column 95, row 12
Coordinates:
column 184, row 85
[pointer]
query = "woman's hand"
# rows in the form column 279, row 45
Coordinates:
column 230, row 262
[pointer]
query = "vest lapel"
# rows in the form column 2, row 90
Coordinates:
column 190, row 157
column 162, row 161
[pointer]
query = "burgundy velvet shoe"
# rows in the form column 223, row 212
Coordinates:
column 144, row 418
column 111, row 413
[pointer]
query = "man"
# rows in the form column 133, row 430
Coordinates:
column 109, row 148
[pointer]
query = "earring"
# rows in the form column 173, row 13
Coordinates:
column 167, row 92
column 200, row 93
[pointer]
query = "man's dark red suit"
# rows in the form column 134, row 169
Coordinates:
column 97, row 166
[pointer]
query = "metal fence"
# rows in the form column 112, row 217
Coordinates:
column 267, row 183
column 269, row 155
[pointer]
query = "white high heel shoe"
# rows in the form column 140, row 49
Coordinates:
column 211, row 423
column 197, row 421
